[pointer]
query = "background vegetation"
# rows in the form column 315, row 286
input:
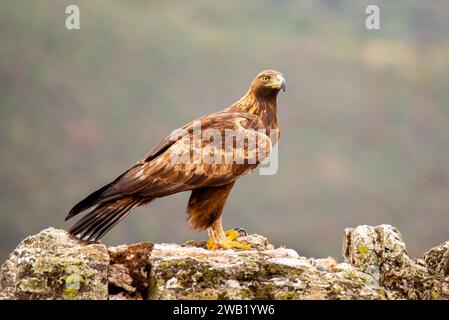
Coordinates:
column 364, row 120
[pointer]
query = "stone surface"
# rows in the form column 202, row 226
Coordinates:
column 182, row 272
column 437, row 258
column 380, row 247
column 380, row 250
column 130, row 270
column 52, row 265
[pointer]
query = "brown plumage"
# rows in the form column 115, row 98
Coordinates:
column 157, row 175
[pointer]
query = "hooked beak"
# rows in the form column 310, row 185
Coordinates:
column 277, row 83
column 282, row 82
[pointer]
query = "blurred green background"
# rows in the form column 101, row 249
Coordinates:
column 365, row 119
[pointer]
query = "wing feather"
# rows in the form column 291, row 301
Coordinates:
column 158, row 175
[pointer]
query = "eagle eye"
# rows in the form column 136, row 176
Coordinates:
column 265, row 78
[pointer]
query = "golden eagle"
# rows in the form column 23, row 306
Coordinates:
column 161, row 172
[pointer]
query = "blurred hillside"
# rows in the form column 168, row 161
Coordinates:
column 364, row 120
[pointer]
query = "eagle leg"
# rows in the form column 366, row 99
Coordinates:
column 221, row 239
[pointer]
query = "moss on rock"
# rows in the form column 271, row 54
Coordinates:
column 52, row 265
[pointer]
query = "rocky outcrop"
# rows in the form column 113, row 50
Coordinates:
column 380, row 251
column 437, row 259
column 53, row 265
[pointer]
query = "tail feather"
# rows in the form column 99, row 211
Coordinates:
column 86, row 225
column 86, row 220
column 110, row 223
column 100, row 196
column 107, row 221
column 103, row 217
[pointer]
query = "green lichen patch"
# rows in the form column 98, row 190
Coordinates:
column 52, row 265
column 362, row 249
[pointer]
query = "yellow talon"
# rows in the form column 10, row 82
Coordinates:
column 232, row 234
column 228, row 242
column 211, row 244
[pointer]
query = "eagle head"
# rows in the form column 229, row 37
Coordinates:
column 268, row 82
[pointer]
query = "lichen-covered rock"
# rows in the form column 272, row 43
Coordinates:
column 182, row 272
column 380, row 250
column 53, row 265
column 371, row 248
column 415, row 282
column 437, row 258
